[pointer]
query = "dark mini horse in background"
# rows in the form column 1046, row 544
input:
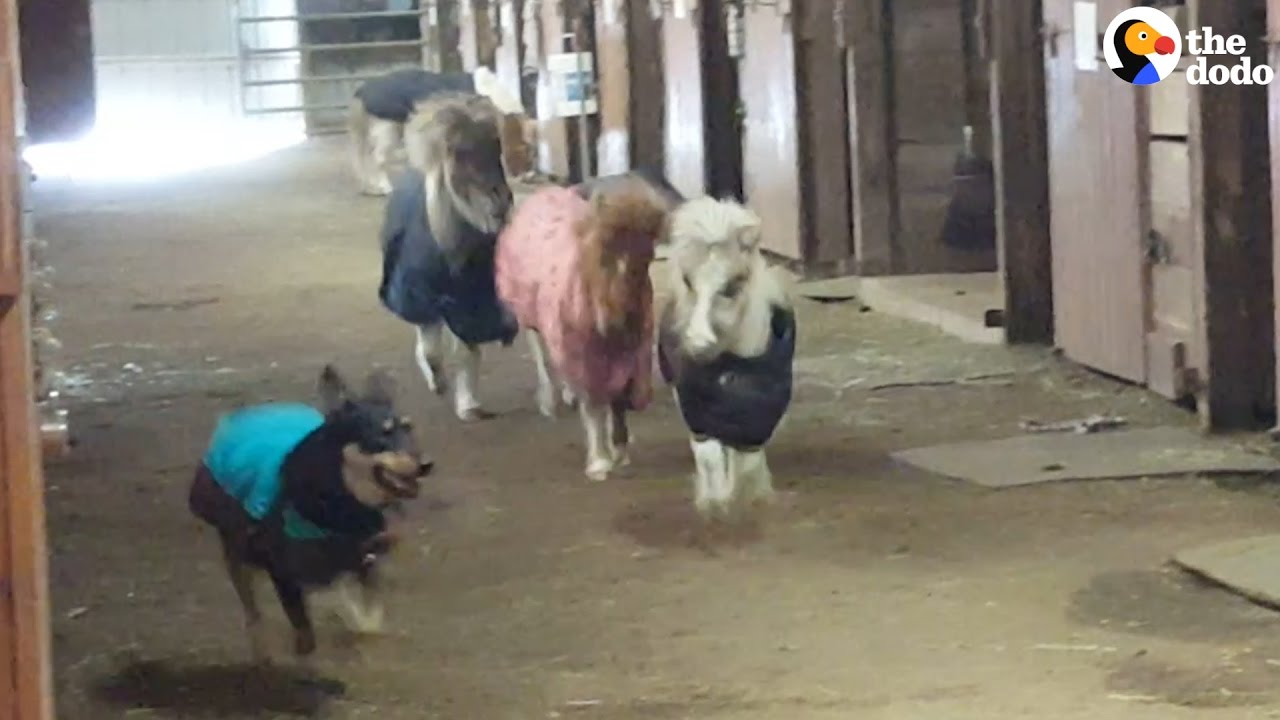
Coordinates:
column 301, row 495
column 438, row 240
column 382, row 106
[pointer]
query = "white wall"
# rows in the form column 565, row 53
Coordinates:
column 159, row 61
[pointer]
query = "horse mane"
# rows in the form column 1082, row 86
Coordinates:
column 706, row 225
column 629, row 222
column 438, row 127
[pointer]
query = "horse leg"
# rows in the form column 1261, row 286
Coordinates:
column 466, row 403
column 294, row 603
column 546, row 384
column 755, row 473
column 594, row 423
column 619, row 434
column 713, row 460
column 429, row 352
column 242, row 580
column 384, row 135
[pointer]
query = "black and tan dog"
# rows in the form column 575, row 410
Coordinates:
column 302, row 496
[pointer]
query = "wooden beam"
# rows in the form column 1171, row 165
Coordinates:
column 1231, row 214
column 873, row 183
column 1273, row 96
column 24, row 575
column 1020, row 153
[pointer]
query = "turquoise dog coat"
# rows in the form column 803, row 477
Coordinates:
column 248, row 450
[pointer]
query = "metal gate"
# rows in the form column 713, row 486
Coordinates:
column 308, row 56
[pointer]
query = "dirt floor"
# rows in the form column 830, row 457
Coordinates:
column 872, row 591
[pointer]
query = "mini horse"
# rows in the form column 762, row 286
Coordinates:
column 300, row 495
column 726, row 343
column 381, row 107
column 576, row 275
column 622, row 181
column 438, row 240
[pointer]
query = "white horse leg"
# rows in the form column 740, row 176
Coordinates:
column 713, row 459
column 595, row 425
column 546, row 385
column 429, row 352
column 466, row 403
column 754, row 471
column 384, row 135
column 701, row 475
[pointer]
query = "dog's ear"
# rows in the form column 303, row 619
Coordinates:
column 380, row 388
column 332, row 388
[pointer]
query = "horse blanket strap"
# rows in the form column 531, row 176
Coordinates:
column 247, row 453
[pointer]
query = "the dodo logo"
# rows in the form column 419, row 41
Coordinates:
column 1142, row 46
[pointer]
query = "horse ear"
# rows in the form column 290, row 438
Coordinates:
column 380, row 388
column 333, row 389
column 749, row 235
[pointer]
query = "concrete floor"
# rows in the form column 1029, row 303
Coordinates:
column 873, row 591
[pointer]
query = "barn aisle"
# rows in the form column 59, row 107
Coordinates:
column 871, row 591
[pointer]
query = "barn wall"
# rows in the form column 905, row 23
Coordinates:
column 188, row 69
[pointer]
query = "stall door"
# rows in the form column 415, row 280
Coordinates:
column 770, row 136
column 1096, row 201
column 685, row 154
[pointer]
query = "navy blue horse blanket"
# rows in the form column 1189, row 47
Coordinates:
column 421, row 287
column 392, row 96
column 737, row 400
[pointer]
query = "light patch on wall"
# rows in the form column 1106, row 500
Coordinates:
column 613, row 150
column 132, row 154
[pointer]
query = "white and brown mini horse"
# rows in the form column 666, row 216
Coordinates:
column 726, row 343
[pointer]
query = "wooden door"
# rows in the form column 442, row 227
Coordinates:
column 1096, row 200
column 685, row 154
column 770, row 141
column 648, row 96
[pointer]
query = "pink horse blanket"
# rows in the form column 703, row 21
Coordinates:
column 538, row 276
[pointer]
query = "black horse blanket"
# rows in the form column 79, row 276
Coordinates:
column 392, row 96
column 736, row 400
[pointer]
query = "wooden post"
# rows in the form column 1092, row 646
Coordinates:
column 872, row 166
column 24, row 606
column 1020, row 150
column 1231, row 213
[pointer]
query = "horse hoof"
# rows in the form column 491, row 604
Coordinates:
column 475, row 414
column 547, row 406
column 598, row 470
column 621, row 458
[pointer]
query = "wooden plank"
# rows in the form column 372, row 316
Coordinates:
column 1021, row 159
column 1232, row 217
column 1273, row 31
column 873, row 179
column 1229, row 124
column 1168, row 114
column 21, row 481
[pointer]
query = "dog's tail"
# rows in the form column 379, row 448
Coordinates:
column 361, row 148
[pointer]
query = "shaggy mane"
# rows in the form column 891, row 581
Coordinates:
column 705, row 224
column 632, row 215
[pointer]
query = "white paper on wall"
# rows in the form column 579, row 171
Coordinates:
column 1086, row 36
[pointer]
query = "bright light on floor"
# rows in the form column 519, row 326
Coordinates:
column 137, row 154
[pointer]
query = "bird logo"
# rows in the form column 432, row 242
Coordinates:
column 1142, row 46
